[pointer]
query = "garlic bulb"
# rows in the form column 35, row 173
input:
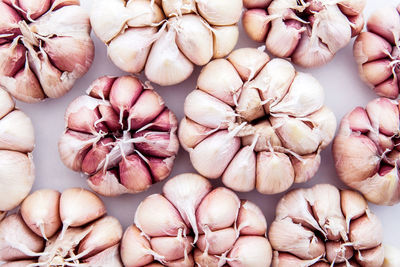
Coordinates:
column 377, row 52
column 309, row 32
column 66, row 229
column 366, row 153
column 45, row 46
column 191, row 224
column 166, row 38
column 121, row 135
column 17, row 141
column 326, row 226
column 256, row 122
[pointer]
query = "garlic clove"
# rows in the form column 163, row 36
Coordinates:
column 324, row 120
column 376, row 72
column 9, row 20
column 166, row 64
column 385, row 22
column 391, row 256
column 225, row 12
column 220, row 79
column 18, row 242
column 160, row 168
column 172, row 248
column 250, row 4
column 251, row 220
column 12, row 58
column 369, row 47
column 274, row 172
column 107, row 183
column 358, row 120
column 353, row 205
column 34, row 9
column 366, row 232
column 191, row 133
column 256, row 24
column 225, row 40
column 351, row 7
column 44, row 222
column 7, row 103
column 267, row 137
column 193, row 38
column 108, row 257
column 158, row 144
column 16, row 178
column 16, row 132
column 134, row 174
column 388, row 88
column 305, row 168
column 143, row 13
column 351, row 263
column 19, row 263
column 105, row 233
column 134, row 248
column 124, row 93
column 109, row 117
column 357, row 24
column 250, row 105
column 372, row 257
column 101, row 87
column 178, row 7
column 204, row 259
column 251, row 251
column 248, row 62
column 286, row 259
column 165, row 121
column 218, row 210
column 384, row 116
column 96, row 156
column 79, row 206
column 338, row 252
column 217, row 242
column 187, row 261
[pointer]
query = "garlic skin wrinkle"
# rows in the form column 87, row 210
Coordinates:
column 121, row 135
column 377, row 52
column 256, row 122
column 325, row 226
column 309, row 32
column 166, row 39
column 17, row 141
column 45, row 46
column 191, row 224
column 365, row 151
column 61, row 229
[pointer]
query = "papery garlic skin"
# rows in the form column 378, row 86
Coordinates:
column 45, row 48
column 256, row 122
column 310, row 33
column 121, row 135
column 17, row 141
column 376, row 52
column 191, row 224
column 168, row 38
column 93, row 239
column 326, row 226
column 365, row 151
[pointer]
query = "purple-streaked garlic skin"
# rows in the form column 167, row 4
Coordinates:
column 166, row 39
column 54, row 229
column 366, row 152
column 323, row 225
column 121, row 135
column 17, row 141
column 45, row 46
column 377, row 54
column 256, row 122
column 310, row 32
column 196, row 225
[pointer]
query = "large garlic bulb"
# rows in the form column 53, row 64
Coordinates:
column 310, row 32
column 166, row 38
column 45, row 47
column 256, row 122
column 121, row 135
column 17, row 141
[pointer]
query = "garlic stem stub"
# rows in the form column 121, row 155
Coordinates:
column 366, row 151
column 167, row 38
column 192, row 224
column 17, row 141
column 61, row 229
column 121, row 135
column 256, row 122
column 377, row 52
column 45, row 46
column 325, row 226
column 309, row 32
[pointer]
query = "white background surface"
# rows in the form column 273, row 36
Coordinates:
column 343, row 88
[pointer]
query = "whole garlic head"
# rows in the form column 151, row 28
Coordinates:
column 121, row 135
column 166, row 38
column 310, row 32
column 366, row 152
column 66, row 229
column 17, row 141
column 326, row 226
column 377, row 52
column 45, row 46
column 191, row 224
column 256, row 122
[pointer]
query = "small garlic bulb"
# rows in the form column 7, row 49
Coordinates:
column 377, row 52
column 308, row 32
column 17, row 141
column 191, row 224
column 121, row 135
column 166, row 38
column 324, row 226
column 366, row 152
column 256, row 122
column 45, row 47
column 54, row 229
